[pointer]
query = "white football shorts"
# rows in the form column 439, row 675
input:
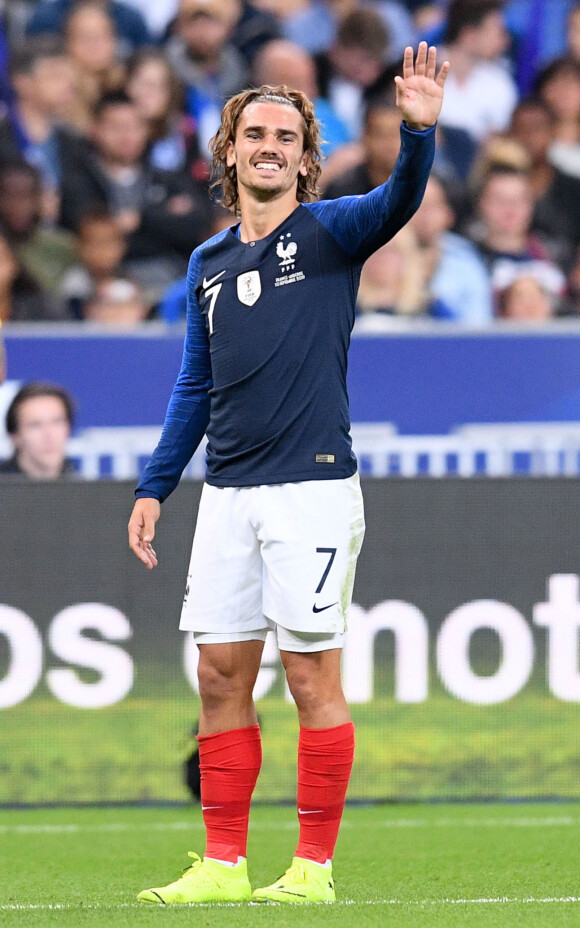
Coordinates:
column 281, row 556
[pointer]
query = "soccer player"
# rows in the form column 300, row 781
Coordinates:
column 280, row 524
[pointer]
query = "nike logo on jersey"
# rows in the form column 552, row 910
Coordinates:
column 322, row 608
column 207, row 283
column 309, row 811
column 205, row 808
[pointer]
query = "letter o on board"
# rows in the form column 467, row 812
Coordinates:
column 25, row 667
column 453, row 652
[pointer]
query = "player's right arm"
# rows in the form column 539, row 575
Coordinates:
column 185, row 424
column 146, row 512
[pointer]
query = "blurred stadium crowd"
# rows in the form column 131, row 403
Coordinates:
column 107, row 108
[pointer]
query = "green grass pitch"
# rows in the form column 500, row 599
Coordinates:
column 426, row 866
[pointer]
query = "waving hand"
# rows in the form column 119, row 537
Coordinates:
column 419, row 91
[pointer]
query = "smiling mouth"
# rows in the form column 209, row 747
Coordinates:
column 268, row 166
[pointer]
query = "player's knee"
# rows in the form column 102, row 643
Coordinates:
column 213, row 684
column 308, row 692
column 218, row 684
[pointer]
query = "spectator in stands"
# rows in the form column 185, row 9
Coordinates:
column 480, row 94
column 526, row 299
column 351, row 69
column 99, row 287
column 556, row 194
column 21, row 299
column 457, row 279
column 39, row 422
column 205, row 60
column 313, row 25
column 428, row 19
column 509, row 249
column 33, row 126
column 392, row 281
column 118, row 304
column 284, row 62
column 173, row 305
column 380, row 148
column 157, row 15
column 538, row 30
column 559, row 86
column 91, row 44
column 159, row 95
column 254, row 29
column 497, row 151
column 129, row 23
column 356, row 168
column 163, row 213
column 44, row 253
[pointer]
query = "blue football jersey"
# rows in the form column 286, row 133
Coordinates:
column 268, row 330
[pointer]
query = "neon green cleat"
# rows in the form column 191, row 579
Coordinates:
column 203, row 881
column 304, row 881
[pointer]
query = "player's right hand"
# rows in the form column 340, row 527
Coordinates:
column 142, row 530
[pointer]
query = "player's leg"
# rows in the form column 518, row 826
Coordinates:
column 227, row 673
column 230, row 747
column 322, row 569
column 230, row 757
column 325, row 758
column 223, row 608
column 325, row 749
column 315, row 683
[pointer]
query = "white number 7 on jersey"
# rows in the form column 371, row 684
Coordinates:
column 213, row 294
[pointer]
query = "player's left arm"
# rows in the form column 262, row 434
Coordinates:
column 362, row 224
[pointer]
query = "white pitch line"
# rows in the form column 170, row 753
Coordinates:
column 415, row 903
column 520, row 822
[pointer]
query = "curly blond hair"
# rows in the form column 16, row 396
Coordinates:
column 225, row 177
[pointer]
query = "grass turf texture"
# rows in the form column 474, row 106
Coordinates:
column 436, row 866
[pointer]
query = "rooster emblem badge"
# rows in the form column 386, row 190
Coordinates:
column 286, row 252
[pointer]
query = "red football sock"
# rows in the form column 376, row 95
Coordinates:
column 325, row 757
column 229, row 764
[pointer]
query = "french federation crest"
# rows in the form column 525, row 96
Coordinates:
column 249, row 287
column 286, row 253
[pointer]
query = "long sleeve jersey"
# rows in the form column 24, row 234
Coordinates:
column 268, row 330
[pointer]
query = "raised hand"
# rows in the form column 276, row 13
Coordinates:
column 419, row 92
